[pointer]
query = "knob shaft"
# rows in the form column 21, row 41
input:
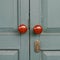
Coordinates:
column 22, row 28
column 37, row 29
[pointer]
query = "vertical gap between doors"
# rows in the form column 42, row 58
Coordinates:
column 29, row 29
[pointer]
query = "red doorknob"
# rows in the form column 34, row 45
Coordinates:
column 22, row 28
column 37, row 29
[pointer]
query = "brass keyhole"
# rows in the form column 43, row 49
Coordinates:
column 37, row 46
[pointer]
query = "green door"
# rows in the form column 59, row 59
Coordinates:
column 13, row 45
column 47, row 14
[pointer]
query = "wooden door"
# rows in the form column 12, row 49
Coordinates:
column 13, row 45
column 47, row 14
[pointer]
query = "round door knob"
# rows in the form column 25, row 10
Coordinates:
column 37, row 29
column 22, row 28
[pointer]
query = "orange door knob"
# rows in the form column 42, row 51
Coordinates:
column 22, row 28
column 37, row 29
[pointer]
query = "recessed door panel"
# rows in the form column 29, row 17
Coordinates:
column 50, row 41
column 8, row 14
column 53, row 18
column 50, row 13
column 8, row 55
column 51, row 55
column 9, row 41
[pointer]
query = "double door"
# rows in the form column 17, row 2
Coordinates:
column 29, row 30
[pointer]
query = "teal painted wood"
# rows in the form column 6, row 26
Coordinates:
column 50, row 55
column 8, row 55
column 42, row 12
column 50, row 41
column 9, row 40
column 35, row 18
column 50, row 14
column 53, row 14
column 14, row 13
column 24, row 19
column 8, row 14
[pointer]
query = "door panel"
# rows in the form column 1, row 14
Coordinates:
column 45, row 13
column 50, row 15
column 8, row 14
column 8, row 55
column 51, row 55
column 53, row 18
column 9, row 41
column 50, row 41
column 12, row 14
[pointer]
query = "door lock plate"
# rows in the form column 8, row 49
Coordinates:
column 37, row 46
